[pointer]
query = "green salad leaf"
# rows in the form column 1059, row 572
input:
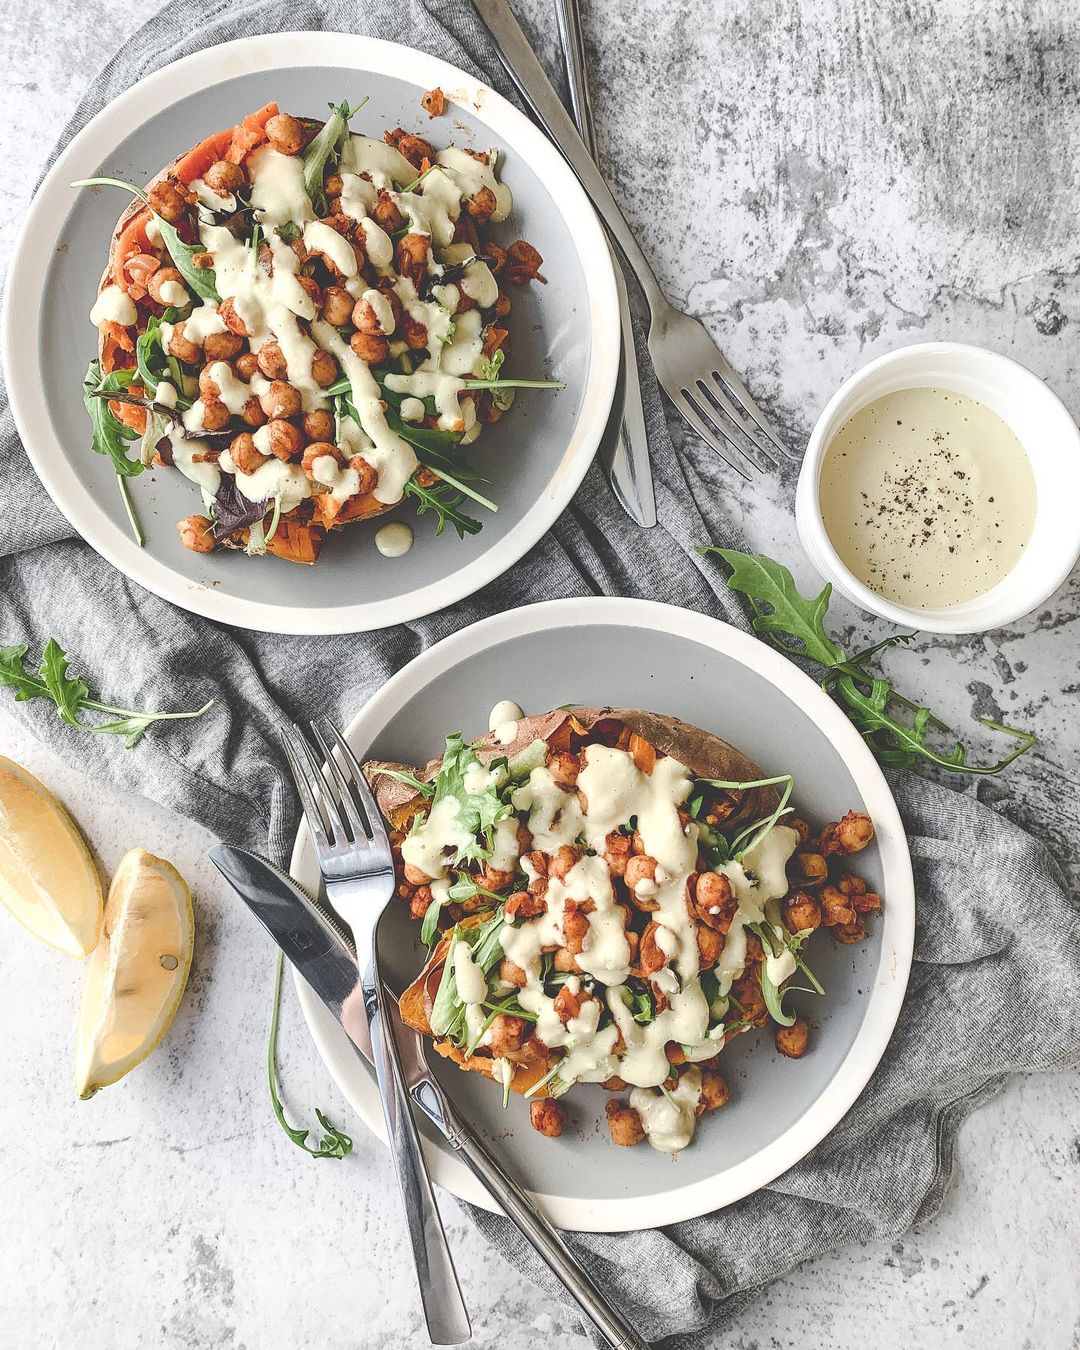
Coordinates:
column 109, row 435
column 897, row 729
column 325, row 148
column 478, row 811
column 70, row 694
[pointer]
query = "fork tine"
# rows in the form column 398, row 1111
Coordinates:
column 343, row 797
column 320, row 789
column 367, row 801
column 725, row 373
column 714, row 392
column 717, row 440
column 308, row 791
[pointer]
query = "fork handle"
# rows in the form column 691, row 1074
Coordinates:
column 444, row 1308
column 521, row 64
column 519, row 1208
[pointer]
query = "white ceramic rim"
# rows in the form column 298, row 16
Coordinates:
column 897, row 929
column 156, row 93
column 820, row 548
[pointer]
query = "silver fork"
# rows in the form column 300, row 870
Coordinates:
column 692, row 370
column 354, row 856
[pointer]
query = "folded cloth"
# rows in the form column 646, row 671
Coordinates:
column 983, row 1002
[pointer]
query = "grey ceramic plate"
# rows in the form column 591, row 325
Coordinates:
column 535, row 457
column 641, row 654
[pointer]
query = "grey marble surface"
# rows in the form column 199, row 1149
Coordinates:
column 834, row 179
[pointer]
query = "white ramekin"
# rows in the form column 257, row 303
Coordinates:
column 1041, row 423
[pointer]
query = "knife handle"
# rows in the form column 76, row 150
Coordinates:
column 528, row 75
column 444, row 1308
column 520, row 1210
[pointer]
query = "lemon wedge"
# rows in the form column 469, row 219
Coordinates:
column 47, row 877
column 137, row 975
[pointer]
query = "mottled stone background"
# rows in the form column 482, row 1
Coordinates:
column 821, row 182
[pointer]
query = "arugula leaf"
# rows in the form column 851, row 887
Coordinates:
column 71, row 695
column 110, row 435
column 424, row 789
column 795, row 624
column 325, row 148
column 334, row 1143
column 446, row 502
column 478, row 812
column 779, row 610
column 202, row 280
column 154, row 363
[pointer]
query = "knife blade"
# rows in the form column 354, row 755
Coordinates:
column 320, row 947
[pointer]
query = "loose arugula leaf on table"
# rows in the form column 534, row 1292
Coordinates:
column 71, row 696
column 325, row 148
column 334, row 1143
column 202, row 280
column 795, row 623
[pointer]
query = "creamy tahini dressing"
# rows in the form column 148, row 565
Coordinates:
column 503, row 720
column 394, row 540
column 928, row 497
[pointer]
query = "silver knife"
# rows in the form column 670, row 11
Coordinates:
column 317, row 944
column 320, row 947
column 630, row 471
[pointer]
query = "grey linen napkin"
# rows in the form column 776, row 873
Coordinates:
column 983, row 1002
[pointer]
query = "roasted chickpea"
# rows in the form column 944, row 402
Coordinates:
column 412, row 256
column 563, row 861
column 285, row 134
column 810, row 869
column 414, row 332
column 564, row 960
column 319, row 450
column 481, row 206
column 247, row 363
column 640, row 878
column 370, row 347
column 614, row 1084
column 164, row 276
column 714, row 1090
column 231, row 319
column 197, row 534
column 547, row 1116
column 272, row 361
column 850, row 933
column 862, row 900
column 836, row 908
column 624, row 1124
column 617, row 852
column 337, row 305
column 415, row 875
column 324, row 369
column 791, row 1041
column 367, row 474
column 180, row 346
column 510, row 973
column 224, row 177
column 801, row 911
column 222, row 346
column 318, row 426
column 508, row 1034
column 714, row 901
column 575, row 925
column 245, row 455
column 284, row 438
column 215, row 415
column 168, row 201
column 386, row 215
column 567, row 1004
column 208, row 386
column 849, row 835
column 252, row 412
column 281, row 399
